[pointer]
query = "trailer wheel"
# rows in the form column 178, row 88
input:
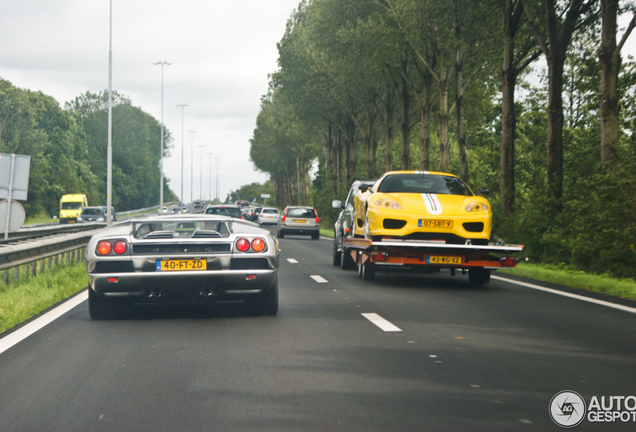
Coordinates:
column 346, row 262
column 368, row 272
column 479, row 276
column 336, row 256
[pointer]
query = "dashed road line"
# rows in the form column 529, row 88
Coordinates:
column 319, row 279
column 381, row 322
column 291, row 260
column 567, row 294
column 22, row 333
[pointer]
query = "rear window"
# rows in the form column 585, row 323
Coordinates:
column 270, row 211
column 180, row 229
column 225, row 211
column 423, row 183
column 301, row 213
column 92, row 211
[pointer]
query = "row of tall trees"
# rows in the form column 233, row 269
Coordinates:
column 68, row 149
column 435, row 84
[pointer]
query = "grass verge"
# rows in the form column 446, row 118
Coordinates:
column 37, row 220
column 326, row 232
column 30, row 296
column 624, row 288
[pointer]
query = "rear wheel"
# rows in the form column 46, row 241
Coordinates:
column 336, row 256
column 266, row 303
column 100, row 307
column 368, row 272
column 479, row 276
column 281, row 234
column 346, row 262
column 315, row 236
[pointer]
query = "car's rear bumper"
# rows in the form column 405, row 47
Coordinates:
column 228, row 282
column 300, row 230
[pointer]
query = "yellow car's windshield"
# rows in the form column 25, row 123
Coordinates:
column 423, row 183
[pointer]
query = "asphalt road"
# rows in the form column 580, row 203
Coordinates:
column 466, row 358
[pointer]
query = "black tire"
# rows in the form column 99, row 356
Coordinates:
column 281, row 234
column 479, row 276
column 368, row 272
column 100, row 307
column 266, row 303
column 315, row 236
column 336, row 256
column 346, row 262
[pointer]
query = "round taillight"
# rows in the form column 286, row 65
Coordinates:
column 103, row 248
column 258, row 245
column 243, row 245
column 120, row 247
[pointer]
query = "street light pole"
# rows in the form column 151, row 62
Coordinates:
column 210, row 154
column 218, row 180
column 182, row 107
column 191, row 169
column 161, row 163
column 109, row 157
column 201, row 187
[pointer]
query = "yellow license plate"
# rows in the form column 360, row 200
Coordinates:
column 71, row 221
column 300, row 221
column 182, row 265
column 427, row 223
column 433, row 259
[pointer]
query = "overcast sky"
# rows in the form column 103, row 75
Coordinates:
column 221, row 53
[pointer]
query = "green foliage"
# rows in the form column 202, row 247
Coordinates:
column 33, row 124
column 351, row 84
column 252, row 192
column 136, row 153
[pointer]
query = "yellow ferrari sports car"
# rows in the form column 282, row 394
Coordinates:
column 422, row 205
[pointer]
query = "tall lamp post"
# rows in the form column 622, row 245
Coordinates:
column 161, row 163
column 182, row 106
column 201, row 186
column 191, row 169
column 210, row 154
column 218, row 180
column 109, row 156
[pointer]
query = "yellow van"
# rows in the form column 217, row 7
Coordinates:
column 71, row 206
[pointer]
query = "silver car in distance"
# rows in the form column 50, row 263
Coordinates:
column 184, row 258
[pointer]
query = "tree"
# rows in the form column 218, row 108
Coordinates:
column 561, row 21
column 609, row 59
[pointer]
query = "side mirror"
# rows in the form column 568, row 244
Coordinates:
column 483, row 191
column 363, row 188
column 337, row 204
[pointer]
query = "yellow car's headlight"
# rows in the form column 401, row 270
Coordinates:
column 477, row 207
column 387, row 203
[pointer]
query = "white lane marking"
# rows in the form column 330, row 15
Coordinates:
column 291, row 260
column 381, row 322
column 35, row 325
column 566, row 294
column 319, row 279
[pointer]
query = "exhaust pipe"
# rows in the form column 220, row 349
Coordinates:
column 152, row 292
column 210, row 291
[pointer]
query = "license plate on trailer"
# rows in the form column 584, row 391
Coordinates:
column 434, row 259
column 300, row 221
column 428, row 223
column 182, row 265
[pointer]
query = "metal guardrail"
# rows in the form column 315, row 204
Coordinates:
column 66, row 243
column 34, row 256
